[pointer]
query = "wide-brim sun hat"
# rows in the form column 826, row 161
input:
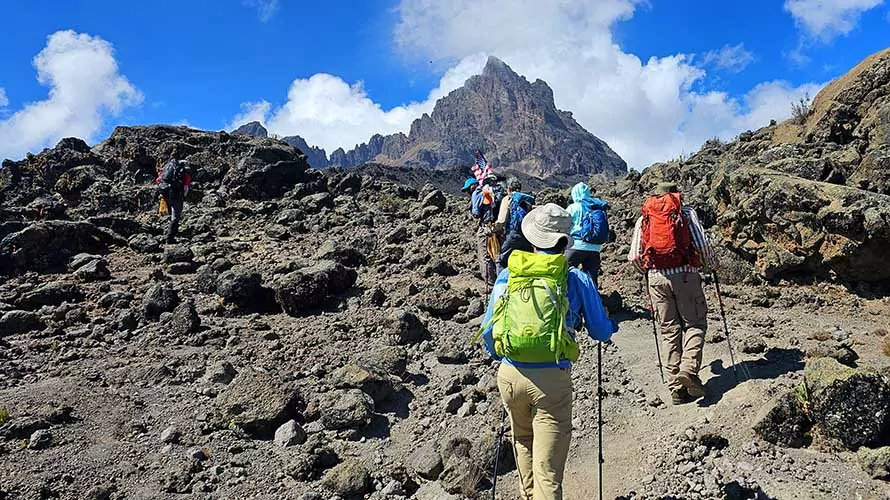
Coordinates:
column 544, row 226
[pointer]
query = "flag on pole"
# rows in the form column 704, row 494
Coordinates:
column 481, row 168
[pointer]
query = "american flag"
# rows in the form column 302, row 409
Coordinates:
column 481, row 168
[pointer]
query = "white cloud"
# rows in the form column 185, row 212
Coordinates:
column 330, row 113
column 825, row 20
column 4, row 101
column 266, row 9
column 734, row 58
column 646, row 110
column 85, row 87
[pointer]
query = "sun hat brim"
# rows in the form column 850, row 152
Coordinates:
column 539, row 237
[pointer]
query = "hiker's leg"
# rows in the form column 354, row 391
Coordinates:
column 175, row 208
column 514, row 393
column 592, row 267
column 551, row 394
column 693, row 308
column 482, row 253
column 575, row 257
column 665, row 304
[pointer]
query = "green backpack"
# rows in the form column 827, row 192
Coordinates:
column 528, row 323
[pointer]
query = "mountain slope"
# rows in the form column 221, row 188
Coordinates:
column 515, row 123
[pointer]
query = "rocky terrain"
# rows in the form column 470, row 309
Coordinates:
column 514, row 122
column 309, row 336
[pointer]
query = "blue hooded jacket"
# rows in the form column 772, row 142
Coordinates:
column 583, row 200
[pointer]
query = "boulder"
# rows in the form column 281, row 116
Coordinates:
column 221, row 372
column 51, row 294
column 784, row 422
column 240, row 286
column 178, row 253
column 435, row 199
column 208, row 275
column 94, row 270
column 80, row 260
column 19, row 322
column 48, row 246
column 185, row 319
column 350, row 409
column 266, row 172
column 341, row 252
column 348, row 479
column 160, row 298
column 443, row 304
column 850, row 406
column 404, row 328
column 144, row 243
column 875, row 462
column 391, row 360
column 426, row 462
column 302, row 291
column 289, row 434
column 351, row 376
column 258, row 403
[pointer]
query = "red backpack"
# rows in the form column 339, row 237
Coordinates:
column 667, row 242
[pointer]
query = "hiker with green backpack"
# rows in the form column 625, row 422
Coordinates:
column 536, row 308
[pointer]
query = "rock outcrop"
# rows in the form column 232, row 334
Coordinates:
column 801, row 199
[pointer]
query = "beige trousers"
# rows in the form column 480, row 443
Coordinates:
column 681, row 309
column 539, row 402
column 487, row 266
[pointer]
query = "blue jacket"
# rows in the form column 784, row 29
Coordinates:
column 584, row 302
column 583, row 200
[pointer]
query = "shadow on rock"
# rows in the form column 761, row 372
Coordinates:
column 775, row 362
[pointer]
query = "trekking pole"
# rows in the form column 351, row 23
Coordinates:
column 497, row 454
column 725, row 326
column 654, row 329
column 599, row 397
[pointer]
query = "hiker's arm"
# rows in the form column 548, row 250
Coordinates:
column 476, row 204
column 635, row 256
column 599, row 326
column 186, row 184
column 700, row 241
column 487, row 334
column 503, row 212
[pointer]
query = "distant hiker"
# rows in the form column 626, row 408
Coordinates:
column 669, row 246
column 535, row 310
column 515, row 206
column 173, row 186
column 485, row 202
column 590, row 230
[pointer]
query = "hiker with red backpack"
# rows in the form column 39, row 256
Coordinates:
column 514, row 207
column 670, row 248
column 173, row 185
column 536, row 309
column 590, row 230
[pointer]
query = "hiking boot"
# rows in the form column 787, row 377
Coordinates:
column 692, row 384
column 680, row 397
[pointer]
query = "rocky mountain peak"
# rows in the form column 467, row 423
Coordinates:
column 252, row 129
column 514, row 122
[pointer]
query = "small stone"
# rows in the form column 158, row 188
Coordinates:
column 453, row 403
column 289, row 434
column 170, row 435
column 426, row 463
column 40, row 440
column 348, row 479
column 198, row 454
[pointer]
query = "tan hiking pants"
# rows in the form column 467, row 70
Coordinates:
column 680, row 305
column 539, row 402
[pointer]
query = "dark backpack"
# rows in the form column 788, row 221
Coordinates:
column 594, row 226
column 170, row 179
column 520, row 205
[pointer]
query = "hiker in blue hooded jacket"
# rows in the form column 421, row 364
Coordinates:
column 590, row 230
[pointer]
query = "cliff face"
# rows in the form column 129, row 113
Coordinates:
column 514, row 122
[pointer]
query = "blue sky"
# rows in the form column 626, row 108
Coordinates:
column 652, row 78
